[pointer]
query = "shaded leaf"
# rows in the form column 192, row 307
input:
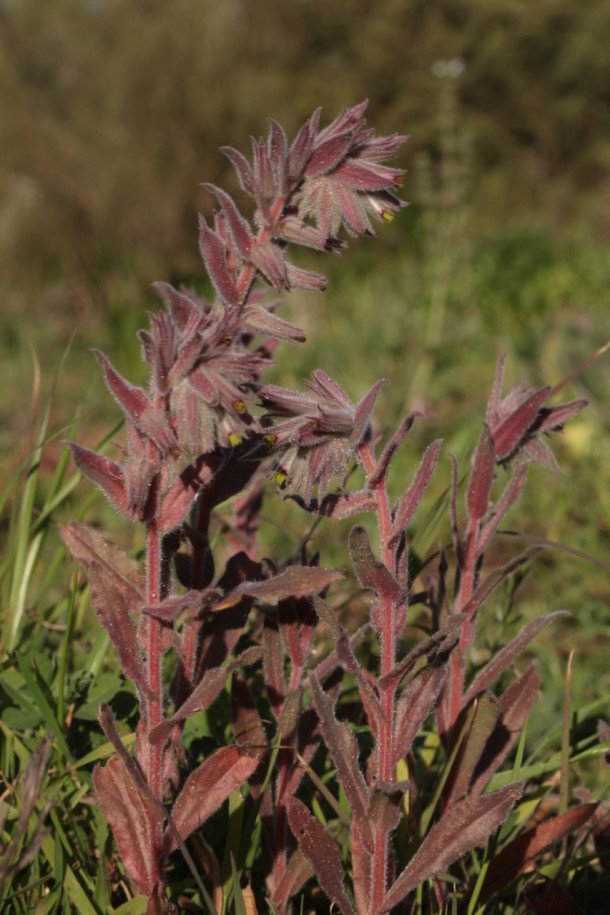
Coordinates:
column 415, row 703
column 381, row 468
column 321, row 851
column 466, row 826
column 343, row 749
column 371, row 572
column 296, row 581
column 481, row 478
column 207, row 787
column 410, row 500
column 88, row 545
column 521, row 854
column 502, row 660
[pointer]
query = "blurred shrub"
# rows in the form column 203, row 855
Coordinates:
column 113, row 111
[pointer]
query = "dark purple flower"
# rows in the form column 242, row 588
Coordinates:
column 314, row 436
column 516, row 422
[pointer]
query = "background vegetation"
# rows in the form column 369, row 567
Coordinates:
column 112, row 112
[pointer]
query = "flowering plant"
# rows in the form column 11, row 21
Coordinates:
column 208, row 432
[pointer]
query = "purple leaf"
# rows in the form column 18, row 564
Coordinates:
column 507, row 500
column 177, row 500
column 466, row 826
column 170, row 609
column 207, row 787
column 410, row 500
column 507, row 436
column 106, row 474
column 88, row 546
column 214, row 254
column 415, row 703
column 364, row 408
column 238, row 226
column 381, row 470
column 296, row 581
column 301, row 149
column 521, row 854
column 436, row 648
column 132, row 816
column 277, row 145
column 473, row 729
column 515, row 704
column 265, row 322
column 112, row 611
column 244, row 172
column 328, row 154
column 481, row 478
column 132, row 400
column 321, row 851
column 504, row 658
column 273, row 668
column 343, row 749
column 344, row 505
column 371, row 572
column 304, row 279
column 268, row 259
column 348, row 660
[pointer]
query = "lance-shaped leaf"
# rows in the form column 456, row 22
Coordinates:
column 300, row 151
column 203, row 694
column 322, row 852
column 349, row 662
column 507, row 500
column 238, row 226
column 415, row 703
column 477, row 724
column 207, row 787
column 263, row 321
column 504, row 658
column 362, row 862
column 112, row 611
column 489, row 584
column 381, row 470
column 436, row 648
column 269, row 260
column 410, row 500
column 515, row 704
column 328, row 154
column 508, row 435
column 132, row 815
column 106, row 474
column 296, row 581
column 170, row 609
column 273, row 668
column 363, row 411
column 244, row 172
column 371, row 572
column 343, row 749
column 277, row 146
column 214, row 254
column 466, row 826
column 521, row 854
column 87, row 546
column 481, row 478
column 544, row 896
column 297, row 872
column 304, row 279
column 176, row 501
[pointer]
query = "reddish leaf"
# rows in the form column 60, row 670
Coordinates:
column 371, row 572
column 416, row 701
column 304, row 279
column 296, row 581
column 321, row 851
column 522, row 853
column 300, row 151
column 263, row 321
column 244, row 172
column 328, row 154
column 515, row 704
column 381, row 469
column 545, row 897
column 113, row 613
column 414, row 494
column 269, row 260
column 343, row 749
column 477, row 725
column 214, row 254
column 507, row 500
column 436, row 648
column 106, row 474
column 132, row 817
column 481, row 478
column 509, row 434
column 207, row 787
column 88, row 545
column 238, row 226
column 504, row 658
column 466, row 826
column 177, row 500
column 363, row 411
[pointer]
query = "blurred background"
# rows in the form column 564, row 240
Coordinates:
column 112, row 114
